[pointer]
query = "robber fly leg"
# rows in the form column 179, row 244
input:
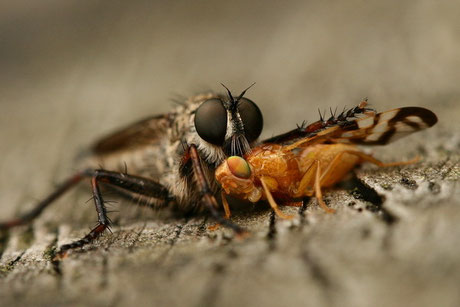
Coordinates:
column 131, row 183
column 124, row 181
column 35, row 212
column 207, row 196
column 103, row 221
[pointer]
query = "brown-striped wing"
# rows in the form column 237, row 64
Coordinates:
column 144, row 132
column 383, row 128
column 374, row 129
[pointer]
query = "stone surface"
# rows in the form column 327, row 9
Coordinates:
column 73, row 71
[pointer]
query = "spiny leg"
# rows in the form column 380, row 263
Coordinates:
column 103, row 221
column 38, row 209
column 136, row 184
column 272, row 201
column 207, row 196
column 132, row 183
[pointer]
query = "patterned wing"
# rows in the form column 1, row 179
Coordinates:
column 386, row 127
column 373, row 129
column 307, row 131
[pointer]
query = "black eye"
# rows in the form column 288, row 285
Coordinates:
column 211, row 121
column 252, row 118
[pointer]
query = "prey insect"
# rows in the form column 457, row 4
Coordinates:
column 321, row 158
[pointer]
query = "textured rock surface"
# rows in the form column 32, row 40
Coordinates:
column 72, row 72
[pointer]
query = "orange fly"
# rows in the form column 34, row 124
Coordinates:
column 285, row 172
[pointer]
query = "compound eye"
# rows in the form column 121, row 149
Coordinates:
column 252, row 118
column 239, row 167
column 211, row 121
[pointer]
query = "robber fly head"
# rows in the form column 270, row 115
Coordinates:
column 232, row 122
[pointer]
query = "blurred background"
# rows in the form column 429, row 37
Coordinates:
column 71, row 71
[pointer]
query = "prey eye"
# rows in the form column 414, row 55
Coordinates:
column 239, row 167
column 211, row 121
column 252, row 118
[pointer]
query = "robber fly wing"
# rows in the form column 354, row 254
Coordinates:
column 144, row 132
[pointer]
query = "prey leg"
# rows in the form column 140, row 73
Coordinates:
column 226, row 210
column 272, row 201
column 318, row 193
column 313, row 177
column 371, row 159
column 329, row 171
column 225, row 205
column 324, row 177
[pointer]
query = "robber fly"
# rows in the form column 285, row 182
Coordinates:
column 171, row 159
column 320, row 159
column 165, row 159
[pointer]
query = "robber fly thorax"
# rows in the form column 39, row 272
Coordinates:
column 157, row 147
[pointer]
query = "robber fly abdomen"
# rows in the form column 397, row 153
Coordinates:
column 166, row 159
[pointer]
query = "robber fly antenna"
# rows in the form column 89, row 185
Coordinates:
column 233, row 101
column 244, row 92
column 229, row 93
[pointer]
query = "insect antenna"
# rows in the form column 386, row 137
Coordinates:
column 228, row 92
column 244, row 92
column 233, row 101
